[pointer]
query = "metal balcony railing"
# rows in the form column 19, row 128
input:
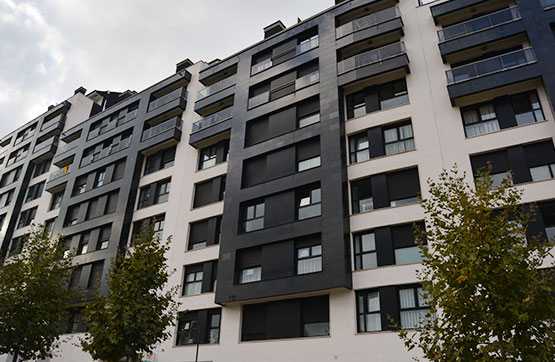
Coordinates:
column 213, row 119
column 370, row 57
column 481, row 23
column 367, row 21
column 216, row 87
column 159, row 102
column 175, row 122
column 496, row 64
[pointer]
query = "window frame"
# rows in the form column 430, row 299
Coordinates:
column 301, row 197
column 363, row 310
column 311, row 256
column 417, row 294
column 359, row 252
column 397, row 127
column 246, row 221
column 354, row 149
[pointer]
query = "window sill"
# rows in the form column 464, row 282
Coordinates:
column 203, row 248
column 385, row 267
column 195, row 295
column 210, row 167
column 378, row 112
column 504, row 129
column 149, row 206
column 381, row 157
column 386, row 208
column 205, row 205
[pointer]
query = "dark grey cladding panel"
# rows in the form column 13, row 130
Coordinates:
column 380, row 29
column 285, row 66
column 482, row 37
column 371, row 70
column 451, row 6
column 206, row 133
column 493, row 81
column 214, row 98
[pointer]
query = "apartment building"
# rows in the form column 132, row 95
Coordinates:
column 288, row 173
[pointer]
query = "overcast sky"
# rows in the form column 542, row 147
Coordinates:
column 48, row 48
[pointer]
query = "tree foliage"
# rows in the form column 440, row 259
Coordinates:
column 482, row 277
column 33, row 286
column 135, row 314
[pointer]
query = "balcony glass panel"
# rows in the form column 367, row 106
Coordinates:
column 259, row 99
column 479, row 24
column 370, row 57
column 307, row 80
column 491, row 65
column 547, row 3
column 213, row 119
column 49, row 142
column 61, row 172
column 367, row 21
column 176, row 94
column 216, row 87
column 162, row 127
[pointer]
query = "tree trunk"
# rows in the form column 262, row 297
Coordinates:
column 14, row 357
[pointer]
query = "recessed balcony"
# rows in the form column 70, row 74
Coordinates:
column 216, row 87
column 169, row 130
column 58, row 178
column 210, row 126
column 367, row 21
column 50, row 144
column 492, row 73
column 110, row 150
column 168, row 105
column 55, row 124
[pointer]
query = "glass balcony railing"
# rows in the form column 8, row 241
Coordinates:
column 492, row 65
column 60, row 173
column 172, row 96
column 303, row 47
column 216, row 87
column 105, row 152
column 212, row 119
column 370, row 57
column 49, row 142
column 547, row 3
column 307, row 80
column 66, row 148
column 475, row 25
column 367, row 21
column 259, row 99
column 175, row 122
column 60, row 117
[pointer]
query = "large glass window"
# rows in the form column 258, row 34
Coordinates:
column 359, row 147
column 250, row 275
column 414, row 307
column 368, row 310
column 253, row 217
column 163, row 192
column 544, row 172
column 207, row 157
column 365, row 251
column 527, row 108
column 309, row 203
column 189, row 323
column 309, row 259
column 356, row 105
column 308, row 120
column 480, row 120
column 193, row 280
column 398, row 139
column 393, row 94
column 361, row 195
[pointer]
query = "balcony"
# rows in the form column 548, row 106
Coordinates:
column 447, row 8
column 168, row 131
column 216, row 87
column 492, row 73
column 60, row 173
column 303, row 47
column 171, row 103
column 50, row 143
column 547, row 4
column 113, row 124
column 213, row 119
column 367, row 21
column 373, row 62
column 58, row 178
column 55, row 124
column 64, row 155
column 300, row 83
column 123, row 144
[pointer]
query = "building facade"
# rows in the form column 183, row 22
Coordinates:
column 288, row 173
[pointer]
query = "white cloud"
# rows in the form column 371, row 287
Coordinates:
column 49, row 48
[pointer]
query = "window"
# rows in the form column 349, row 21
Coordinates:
column 160, row 160
column 104, row 237
column 75, row 322
column 72, row 215
column 309, row 203
column 76, row 278
column 282, row 319
column 80, row 185
column 189, row 324
column 356, row 105
column 359, row 148
column 42, row 167
column 405, row 249
column 144, row 197
column 398, row 139
column 204, row 233
column 365, row 251
column 309, row 259
column 210, row 191
column 111, row 203
column 26, row 217
column 480, row 120
column 6, row 198
column 56, row 200
column 393, row 94
column 84, row 243
column 414, row 307
column 309, row 120
column 158, row 226
column 403, row 187
column 34, row 191
column 361, row 195
column 48, row 225
column 250, row 275
column 545, row 172
column 193, row 280
column 207, row 157
column 368, row 311
column 95, row 276
column 17, row 245
column 253, row 216
column 163, row 192
column 527, row 108
column 99, row 179
column 119, row 170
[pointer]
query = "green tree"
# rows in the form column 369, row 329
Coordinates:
column 33, row 286
column 135, row 314
column 481, row 275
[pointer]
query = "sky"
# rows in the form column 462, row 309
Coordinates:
column 49, row 48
